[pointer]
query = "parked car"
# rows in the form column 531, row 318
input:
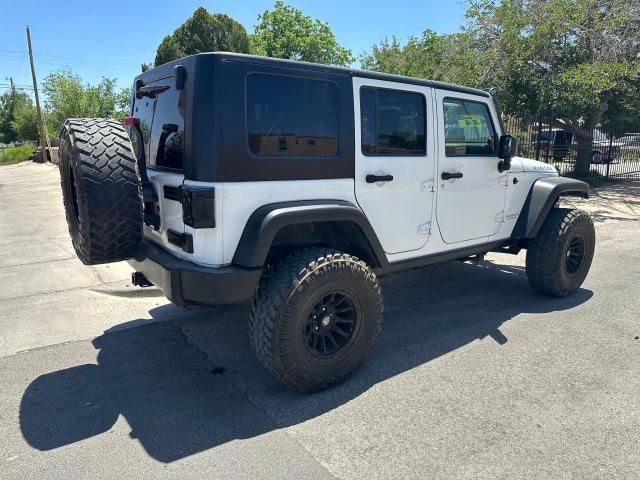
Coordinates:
column 562, row 145
column 629, row 144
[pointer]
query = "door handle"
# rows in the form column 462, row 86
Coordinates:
column 450, row 175
column 378, row 178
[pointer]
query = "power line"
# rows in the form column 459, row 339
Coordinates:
column 18, row 87
column 20, row 66
column 128, row 46
column 73, row 59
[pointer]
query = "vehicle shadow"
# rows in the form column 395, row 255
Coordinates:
column 188, row 385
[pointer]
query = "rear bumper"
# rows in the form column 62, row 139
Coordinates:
column 186, row 283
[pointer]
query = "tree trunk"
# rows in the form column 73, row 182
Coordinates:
column 584, row 140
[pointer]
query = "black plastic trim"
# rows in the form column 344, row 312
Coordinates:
column 186, row 283
column 456, row 254
column 180, row 239
column 542, row 197
column 265, row 223
column 179, row 76
column 171, row 192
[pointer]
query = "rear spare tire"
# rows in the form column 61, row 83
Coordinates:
column 101, row 190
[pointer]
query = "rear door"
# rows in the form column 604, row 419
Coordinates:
column 394, row 161
column 160, row 110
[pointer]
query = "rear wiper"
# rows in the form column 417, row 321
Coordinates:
column 151, row 90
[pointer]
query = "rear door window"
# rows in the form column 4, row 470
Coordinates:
column 392, row 122
column 291, row 117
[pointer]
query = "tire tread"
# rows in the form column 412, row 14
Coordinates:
column 274, row 292
column 542, row 272
column 108, row 186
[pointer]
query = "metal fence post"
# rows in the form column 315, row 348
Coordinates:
column 538, row 138
column 609, row 159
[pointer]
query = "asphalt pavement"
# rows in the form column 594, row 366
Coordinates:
column 475, row 376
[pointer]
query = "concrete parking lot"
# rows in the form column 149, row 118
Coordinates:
column 475, row 374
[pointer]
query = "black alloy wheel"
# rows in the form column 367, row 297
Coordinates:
column 331, row 323
column 574, row 255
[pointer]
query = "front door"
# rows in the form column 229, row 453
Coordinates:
column 394, row 171
column 471, row 190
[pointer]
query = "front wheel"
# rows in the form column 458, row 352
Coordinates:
column 316, row 317
column 597, row 157
column 559, row 257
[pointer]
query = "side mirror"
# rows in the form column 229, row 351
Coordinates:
column 506, row 151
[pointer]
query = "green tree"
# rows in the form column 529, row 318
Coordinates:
column 203, row 32
column 16, row 108
column 447, row 58
column 576, row 61
column 67, row 97
column 7, row 107
column 285, row 32
column 25, row 119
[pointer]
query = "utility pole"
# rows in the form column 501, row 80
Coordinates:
column 13, row 91
column 43, row 133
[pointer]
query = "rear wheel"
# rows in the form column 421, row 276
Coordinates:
column 101, row 190
column 559, row 257
column 316, row 317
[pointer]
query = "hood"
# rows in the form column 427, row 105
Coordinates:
column 529, row 165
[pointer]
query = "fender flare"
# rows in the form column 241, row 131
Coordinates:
column 265, row 223
column 542, row 197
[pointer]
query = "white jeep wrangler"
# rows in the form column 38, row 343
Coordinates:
column 297, row 185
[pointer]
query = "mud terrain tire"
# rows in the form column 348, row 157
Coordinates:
column 101, row 190
column 559, row 257
column 288, row 338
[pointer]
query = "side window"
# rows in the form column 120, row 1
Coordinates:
column 468, row 128
column 292, row 117
column 392, row 122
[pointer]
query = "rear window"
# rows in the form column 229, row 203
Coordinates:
column 167, row 131
column 292, row 117
column 159, row 135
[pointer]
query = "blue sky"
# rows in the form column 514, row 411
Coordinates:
column 112, row 38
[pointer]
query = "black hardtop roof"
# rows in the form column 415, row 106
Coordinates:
column 317, row 67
